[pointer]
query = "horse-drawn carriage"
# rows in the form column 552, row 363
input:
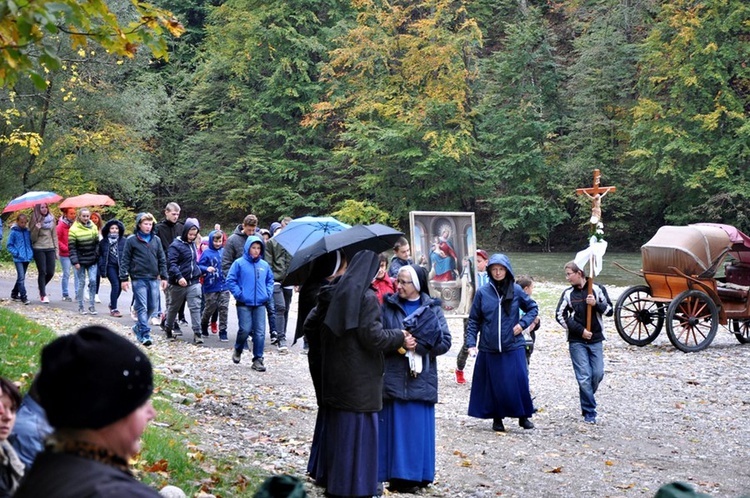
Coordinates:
column 680, row 266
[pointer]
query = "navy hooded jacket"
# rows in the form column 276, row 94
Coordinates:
column 104, row 253
column 182, row 258
column 493, row 316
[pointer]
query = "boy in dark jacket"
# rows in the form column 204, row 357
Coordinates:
column 586, row 349
column 184, row 277
column 250, row 280
column 143, row 261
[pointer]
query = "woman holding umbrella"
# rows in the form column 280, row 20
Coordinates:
column 406, row 447
column 44, row 243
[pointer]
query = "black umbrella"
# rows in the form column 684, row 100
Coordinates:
column 375, row 237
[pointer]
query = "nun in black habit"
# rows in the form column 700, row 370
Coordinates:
column 352, row 340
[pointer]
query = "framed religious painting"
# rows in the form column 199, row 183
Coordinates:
column 444, row 243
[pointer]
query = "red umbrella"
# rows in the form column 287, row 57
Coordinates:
column 86, row 200
column 30, row 199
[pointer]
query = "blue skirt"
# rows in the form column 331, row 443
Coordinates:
column 500, row 386
column 407, row 441
column 347, row 456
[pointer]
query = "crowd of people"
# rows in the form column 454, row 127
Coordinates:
column 372, row 330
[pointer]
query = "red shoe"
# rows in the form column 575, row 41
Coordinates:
column 460, row 377
column 214, row 328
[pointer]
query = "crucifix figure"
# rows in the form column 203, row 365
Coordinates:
column 595, row 193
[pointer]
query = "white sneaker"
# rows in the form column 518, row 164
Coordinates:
column 155, row 320
column 96, row 299
column 45, row 300
column 133, row 314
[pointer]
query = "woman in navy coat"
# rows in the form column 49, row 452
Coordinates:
column 406, row 447
column 500, row 386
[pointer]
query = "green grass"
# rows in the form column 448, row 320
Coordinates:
column 21, row 342
column 170, row 450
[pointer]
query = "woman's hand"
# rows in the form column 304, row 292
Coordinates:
column 473, row 351
column 517, row 329
column 410, row 343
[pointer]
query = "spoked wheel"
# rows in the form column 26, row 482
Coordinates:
column 692, row 321
column 741, row 330
column 638, row 319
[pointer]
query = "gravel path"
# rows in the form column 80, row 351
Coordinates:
column 664, row 415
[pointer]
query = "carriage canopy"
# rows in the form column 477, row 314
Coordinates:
column 693, row 249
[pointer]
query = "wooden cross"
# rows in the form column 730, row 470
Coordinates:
column 595, row 193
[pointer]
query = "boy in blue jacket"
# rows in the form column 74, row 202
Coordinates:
column 215, row 290
column 250, row 280
column 19, row 246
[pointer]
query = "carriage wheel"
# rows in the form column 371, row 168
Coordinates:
column 741, row 330
column 638, row 319
column 692, row 321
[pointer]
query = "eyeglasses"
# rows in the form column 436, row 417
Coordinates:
column 404, row 282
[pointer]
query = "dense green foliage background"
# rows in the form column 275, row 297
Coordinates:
column 501, row 107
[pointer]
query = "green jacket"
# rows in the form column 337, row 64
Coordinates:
column 278, row 258
column 83, row 242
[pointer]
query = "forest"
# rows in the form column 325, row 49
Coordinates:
column 374, row 108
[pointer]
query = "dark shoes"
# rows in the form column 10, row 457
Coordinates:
column 236, row 356
column 258, row 365
column 525, row 423
column 497, row 425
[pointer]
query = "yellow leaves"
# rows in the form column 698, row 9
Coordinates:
column 554, row 470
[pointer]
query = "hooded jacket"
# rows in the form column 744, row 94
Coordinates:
column 182, row 258
column 250, row 280
column 495, row 311
column 104, row 252
column 19, row 244
column 398, row 382
column 214, row 281
column 83, row 243
column 142, row 259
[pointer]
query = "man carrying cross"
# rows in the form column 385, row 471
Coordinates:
column 574, row 310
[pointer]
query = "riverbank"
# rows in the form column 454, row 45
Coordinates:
column 664, row 416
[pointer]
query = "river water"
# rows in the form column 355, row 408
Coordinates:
column 548, row 267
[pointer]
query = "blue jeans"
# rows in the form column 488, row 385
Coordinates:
column 81, row 273
column 66, row 267
column 252, row 322
column 19, row 290
column 588, row 365
column 146, row 300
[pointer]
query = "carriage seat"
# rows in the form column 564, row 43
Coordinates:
column 732, row 292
